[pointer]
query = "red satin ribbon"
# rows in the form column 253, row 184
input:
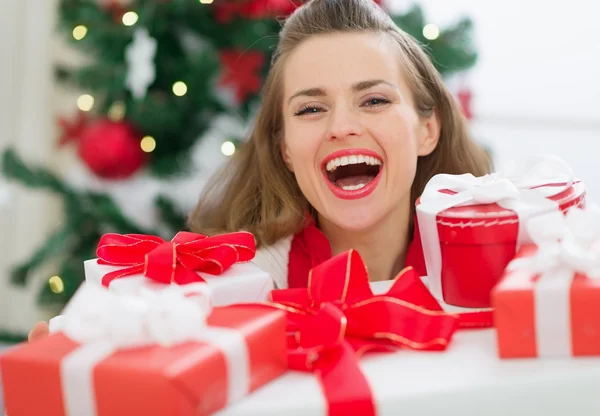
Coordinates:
column 176, row 261
column 337, row 318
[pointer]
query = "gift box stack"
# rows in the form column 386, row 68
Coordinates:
column 160, row 345
column 154, row 316
column 191, row 327
column 525, row 246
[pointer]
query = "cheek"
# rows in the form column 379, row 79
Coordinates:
column 399, row 140
column 302, row 147
column 399, row 135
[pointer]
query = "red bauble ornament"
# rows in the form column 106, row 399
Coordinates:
column 111, row 149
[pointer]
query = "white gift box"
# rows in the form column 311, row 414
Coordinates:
column 241, row 283
column 468, row 379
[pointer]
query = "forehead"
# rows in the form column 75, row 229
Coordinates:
column 336, row 61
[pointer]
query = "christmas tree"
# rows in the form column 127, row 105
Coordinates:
column 164, row 78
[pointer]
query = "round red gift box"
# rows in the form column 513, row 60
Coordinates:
column 478, row 241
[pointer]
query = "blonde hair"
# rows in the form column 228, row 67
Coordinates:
column 256, row 192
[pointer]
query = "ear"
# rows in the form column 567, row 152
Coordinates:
column 285, row 154
column 430, row 133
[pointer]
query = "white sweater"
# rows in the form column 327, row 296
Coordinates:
column 274, row 260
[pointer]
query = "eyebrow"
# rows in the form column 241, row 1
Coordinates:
column 357, row 87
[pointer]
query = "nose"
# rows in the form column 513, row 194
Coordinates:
column 344, row 122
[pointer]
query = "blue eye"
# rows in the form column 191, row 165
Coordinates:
column 376, row 101
column 309, row 109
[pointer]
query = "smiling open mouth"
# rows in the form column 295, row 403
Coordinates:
column 353, row 172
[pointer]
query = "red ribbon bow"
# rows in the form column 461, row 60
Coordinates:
column 337, row 318
column 176, row 261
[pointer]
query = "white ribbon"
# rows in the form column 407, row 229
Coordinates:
column 105, row 322
column 525, row 191
column 566, row 245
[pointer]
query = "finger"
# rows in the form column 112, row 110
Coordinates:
column 39, row 331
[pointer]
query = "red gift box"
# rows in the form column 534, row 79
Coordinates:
column 547, row 304
column 191, row 378
column 468, row 245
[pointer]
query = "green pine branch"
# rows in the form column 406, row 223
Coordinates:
column 88, row 215
column 12, row 337
column 13, row 167
column 452, row 51
column 55, row 245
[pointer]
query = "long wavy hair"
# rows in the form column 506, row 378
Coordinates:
column 256, row 192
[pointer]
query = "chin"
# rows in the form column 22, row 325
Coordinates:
column 356, row 218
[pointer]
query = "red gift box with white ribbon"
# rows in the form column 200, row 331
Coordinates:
column 548, row 302
column 470, row 227
column 155, row 354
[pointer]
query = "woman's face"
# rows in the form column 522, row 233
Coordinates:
column 352, row 135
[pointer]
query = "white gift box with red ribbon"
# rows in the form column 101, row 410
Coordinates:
column 241, row 283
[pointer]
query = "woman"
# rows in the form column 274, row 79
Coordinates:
column 354, row 121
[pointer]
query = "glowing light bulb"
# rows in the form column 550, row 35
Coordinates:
column 85, row 102
column 130, row 18
column 56, row 284
column 228, row 148
column 148, row 144
column 431, row 31
column 179, row 88
column 206, row 1
column 79, row 32
column 116, row 112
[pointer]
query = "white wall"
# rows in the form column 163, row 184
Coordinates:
column 26, row 123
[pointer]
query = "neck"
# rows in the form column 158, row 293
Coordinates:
column 382, row 247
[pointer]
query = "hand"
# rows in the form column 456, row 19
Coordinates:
column 39, row 331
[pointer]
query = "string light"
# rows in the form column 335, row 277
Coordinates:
column 116, row 112
column 130, row 18
column 85, row 102
column 79, row 32
column 228, row 148
column 148, row 144
column 179, row 88
column 206, row 1
column 431, row 31
column 56, row 284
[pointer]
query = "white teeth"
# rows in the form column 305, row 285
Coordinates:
column 351, row 160
column 353, row 187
